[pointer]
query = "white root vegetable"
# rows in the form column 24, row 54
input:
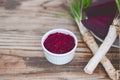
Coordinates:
column 118, row 74
column 103, row 49
column 92, row 64
column 90, row 41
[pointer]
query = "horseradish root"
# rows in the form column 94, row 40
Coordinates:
column 90, row 41
column 105, row 46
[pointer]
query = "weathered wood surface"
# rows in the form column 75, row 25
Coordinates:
column 22, row 24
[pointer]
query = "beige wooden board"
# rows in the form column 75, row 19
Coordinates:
column 22, row 25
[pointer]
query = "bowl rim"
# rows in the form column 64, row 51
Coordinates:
column 101, row 40
column 61, row 30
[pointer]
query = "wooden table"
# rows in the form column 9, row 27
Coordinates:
column 22, row 25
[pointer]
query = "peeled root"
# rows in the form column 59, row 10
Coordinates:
column 110, row 38
column 90, row 41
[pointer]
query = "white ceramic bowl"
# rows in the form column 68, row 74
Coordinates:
column 59, row 59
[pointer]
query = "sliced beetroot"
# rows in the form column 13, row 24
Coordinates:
column 99, row 25
column 101, row 8
column 100, row 16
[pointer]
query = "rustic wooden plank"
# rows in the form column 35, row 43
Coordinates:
column 57, row 76
column 22, row 25
column 11, row 66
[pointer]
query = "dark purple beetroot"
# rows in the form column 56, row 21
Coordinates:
column 99, row 25
column 100, row 16
column 59, row 43
column 101, row 8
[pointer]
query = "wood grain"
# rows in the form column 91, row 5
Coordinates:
column 22, row 25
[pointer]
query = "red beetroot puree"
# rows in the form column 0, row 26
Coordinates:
column 59, row 43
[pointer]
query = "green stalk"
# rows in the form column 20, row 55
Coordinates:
column 118, row 4
column 77, row 6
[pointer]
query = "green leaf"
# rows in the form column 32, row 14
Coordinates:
column 77, row 6
column 118, row 4
column 85, row 4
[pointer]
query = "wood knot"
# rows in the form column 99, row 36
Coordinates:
column 10, row 4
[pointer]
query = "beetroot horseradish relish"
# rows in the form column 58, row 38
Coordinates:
column 59, row 43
